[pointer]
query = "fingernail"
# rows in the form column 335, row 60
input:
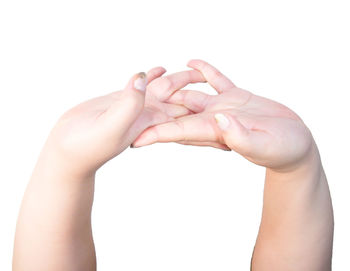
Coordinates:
column 222, row 121
column 141, row 82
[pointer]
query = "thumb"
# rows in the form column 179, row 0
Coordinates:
column 131, row 101
column 237, row 137
column 133, row 95
column 138, row 81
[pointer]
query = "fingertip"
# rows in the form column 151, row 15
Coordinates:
column 190, row 63
column 222, row 121
column 229, row 123
column 140, row 81
column 162, row 69
column 148, row 137
column 155, row 73
column 195, row 63
column 158, row 70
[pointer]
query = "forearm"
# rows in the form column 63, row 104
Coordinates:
column 296, row 231
column 54, row 225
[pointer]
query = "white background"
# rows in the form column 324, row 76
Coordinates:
column 167, row 206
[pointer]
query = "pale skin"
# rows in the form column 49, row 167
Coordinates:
column 296, row 232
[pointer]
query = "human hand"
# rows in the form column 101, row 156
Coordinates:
column 263, row 131
column 97, row 130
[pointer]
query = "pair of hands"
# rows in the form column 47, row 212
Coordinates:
column 154, row 108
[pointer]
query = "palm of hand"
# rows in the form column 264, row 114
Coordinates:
column 277, row 137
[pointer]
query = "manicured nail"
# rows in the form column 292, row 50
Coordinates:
column 222, row 121
column 141, row 82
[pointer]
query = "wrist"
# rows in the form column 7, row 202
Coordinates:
column 309, row 166
column 53, row 166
